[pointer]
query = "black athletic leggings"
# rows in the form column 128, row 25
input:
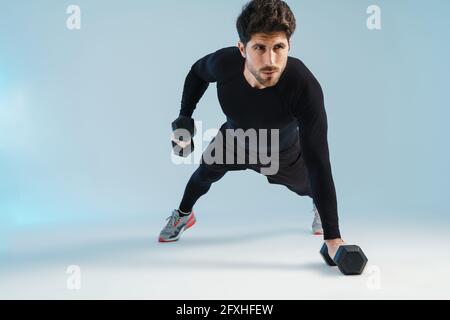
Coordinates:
column 198, row 185
column 292, row 173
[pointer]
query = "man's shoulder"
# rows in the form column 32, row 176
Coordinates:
column 227, row 60
column 299, row 74
column 228, row 52
column 298, row 70
column 219, row 65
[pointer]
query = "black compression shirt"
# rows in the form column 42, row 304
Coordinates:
column 297, row 99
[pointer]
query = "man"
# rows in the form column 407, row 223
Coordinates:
column 260, row 87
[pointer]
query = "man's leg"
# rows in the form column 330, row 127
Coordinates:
column 293, row 174
column 198, row 185
column 184, row 218
column 207, row 173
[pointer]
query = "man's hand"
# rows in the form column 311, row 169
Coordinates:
column 333, row 246
column 183, row 130
column 182, row 144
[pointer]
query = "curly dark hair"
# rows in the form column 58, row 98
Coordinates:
column 265, row 16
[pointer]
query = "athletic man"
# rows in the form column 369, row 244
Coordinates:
column 260, row 87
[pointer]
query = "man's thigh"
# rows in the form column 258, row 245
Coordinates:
column 292, row 171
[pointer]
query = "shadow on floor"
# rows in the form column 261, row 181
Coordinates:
column 154, row 254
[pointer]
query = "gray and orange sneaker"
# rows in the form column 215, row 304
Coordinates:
column 317, row 223
column 176, row 226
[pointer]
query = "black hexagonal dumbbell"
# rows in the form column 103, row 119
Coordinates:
column 350, row 259
column 183, row 130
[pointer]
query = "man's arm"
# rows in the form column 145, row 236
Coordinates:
column 313, row 130
column 202, row 73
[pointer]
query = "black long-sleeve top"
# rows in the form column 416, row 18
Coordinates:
column 297, row 97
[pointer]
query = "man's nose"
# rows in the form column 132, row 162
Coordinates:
column 269, row 58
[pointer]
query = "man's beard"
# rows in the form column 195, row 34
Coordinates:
column 260, row 79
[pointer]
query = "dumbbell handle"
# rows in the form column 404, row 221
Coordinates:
column 182, row 144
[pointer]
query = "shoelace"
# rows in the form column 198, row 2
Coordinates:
column 173, row 219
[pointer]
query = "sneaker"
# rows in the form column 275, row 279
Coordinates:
column 317, row 223
column 176, row 226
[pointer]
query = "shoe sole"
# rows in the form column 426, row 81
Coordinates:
column 317, row 233
column 188, row 225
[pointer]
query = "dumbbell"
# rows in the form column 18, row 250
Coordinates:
column 183, row 130
column 350, row 259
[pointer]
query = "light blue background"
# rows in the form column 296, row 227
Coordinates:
column 85, row 115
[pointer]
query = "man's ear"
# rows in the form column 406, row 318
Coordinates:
column 241, row 47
